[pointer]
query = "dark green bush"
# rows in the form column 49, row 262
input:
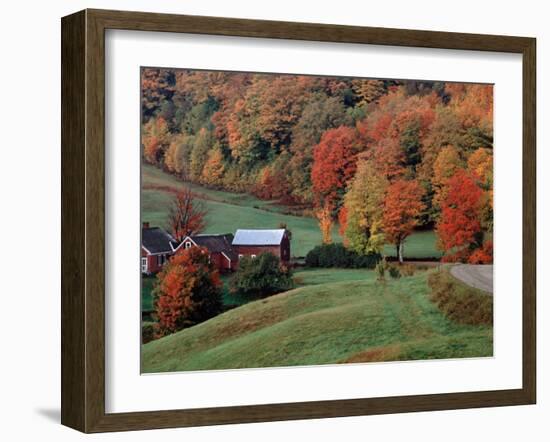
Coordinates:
column 380, row 269
column 337, row 255
column 394, row 272
column 147, row 332
column 261, row 276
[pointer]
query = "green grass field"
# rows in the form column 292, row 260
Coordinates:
column 323, row 276
column 230, row 211
column 330, row 321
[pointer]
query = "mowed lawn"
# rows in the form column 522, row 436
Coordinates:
column 231, row 211
column 323, row 276
column 359, row 320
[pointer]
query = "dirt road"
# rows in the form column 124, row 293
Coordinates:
column 477, row 276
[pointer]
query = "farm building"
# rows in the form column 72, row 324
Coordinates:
column 220, row 248
column 253, row 242
column 157, row 246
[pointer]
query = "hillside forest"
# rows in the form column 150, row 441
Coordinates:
column 378, row 158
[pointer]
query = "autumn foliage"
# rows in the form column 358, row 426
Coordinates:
column 187, row 291
column 483, row 255
column 402, row 208
column 334, row 164
column 459, row 229
column 324, row 217
column 333, row 148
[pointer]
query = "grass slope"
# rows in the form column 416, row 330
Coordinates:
column 231, row 211
column 301, row 278
column 323, row 276
column 349, row 321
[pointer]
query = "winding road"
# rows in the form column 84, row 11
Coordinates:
column 477, row 276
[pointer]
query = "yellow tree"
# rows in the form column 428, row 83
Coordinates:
column 324, row 217
column 364, row 202
column 448, row 161
column 368, row 91
column 155, row 139
column 214, row 168
column 480, row 166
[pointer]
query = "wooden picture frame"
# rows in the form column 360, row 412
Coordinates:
column 83, row 220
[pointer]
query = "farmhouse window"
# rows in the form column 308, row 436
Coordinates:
column 144, row 265
column 253, row 256
column 187, row 245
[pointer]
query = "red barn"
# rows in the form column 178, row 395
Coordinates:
column 254, row 242
column 221, row 252
column 157, row 246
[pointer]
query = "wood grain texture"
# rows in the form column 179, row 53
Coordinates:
column 83, row 220
column 529, row 220
column 73, row 252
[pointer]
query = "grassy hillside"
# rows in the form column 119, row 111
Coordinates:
column 301, row 278
column 323, row 276
column 230, row 211
column 333, row 322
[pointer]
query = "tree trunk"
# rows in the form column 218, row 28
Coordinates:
column 400, row 252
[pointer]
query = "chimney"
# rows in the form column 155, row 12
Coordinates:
column 145, row 225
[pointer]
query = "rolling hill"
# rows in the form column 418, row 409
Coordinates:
column 325, row 323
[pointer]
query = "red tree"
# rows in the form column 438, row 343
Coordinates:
column 483, row 255
column 459, row 226
column 187, row 291
column 402, row 207
column 187, row 214
column 334, row 163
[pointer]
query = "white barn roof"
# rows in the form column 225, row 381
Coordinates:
column 272, row 237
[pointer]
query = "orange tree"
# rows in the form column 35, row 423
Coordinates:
column 188, row 291
column 402, row 207
column 334, row 164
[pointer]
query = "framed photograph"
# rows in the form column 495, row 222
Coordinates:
column 268, row 221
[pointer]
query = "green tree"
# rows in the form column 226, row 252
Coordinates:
column 204, row 141
column 261, row 276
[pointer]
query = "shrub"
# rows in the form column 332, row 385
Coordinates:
column 147, row 332
column 459, row 302
column 394, row 272
column 407, row 269
column 337, row 255
column 381, row 270
column 261, row 276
